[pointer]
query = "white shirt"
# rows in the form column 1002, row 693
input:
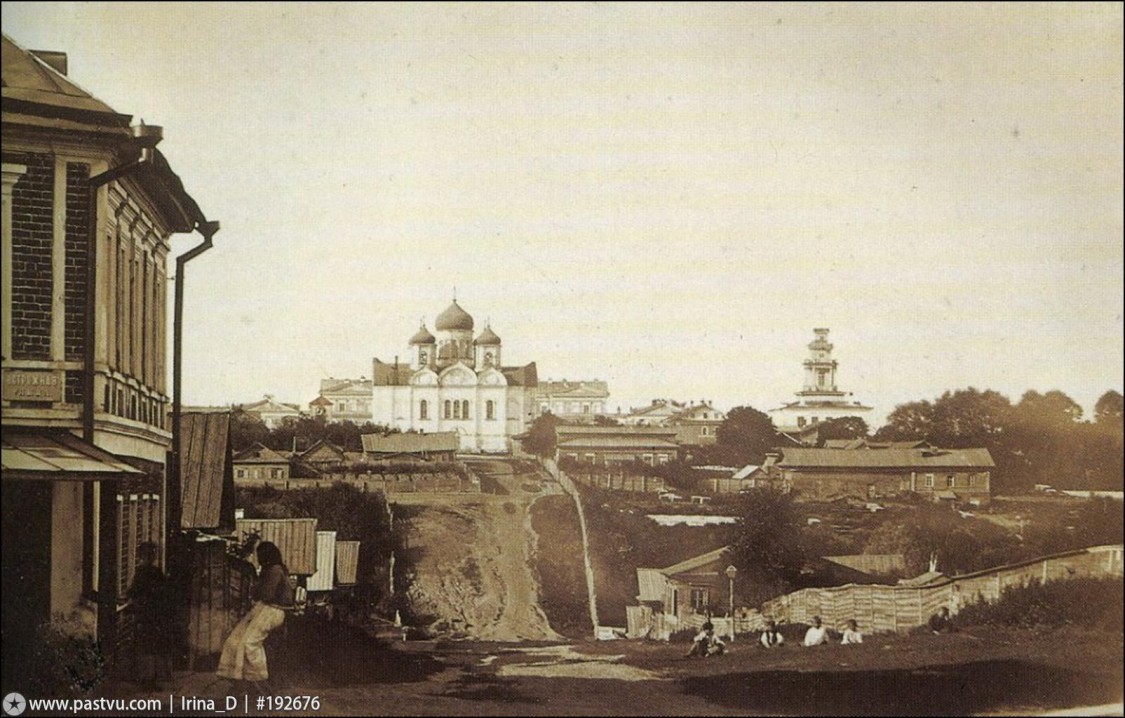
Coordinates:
column 851, row 636
column 778, row 639
column 816, row 635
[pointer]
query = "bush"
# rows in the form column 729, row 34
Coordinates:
column 1086, row 602
column 62, row 665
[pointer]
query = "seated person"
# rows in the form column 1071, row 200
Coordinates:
column 817, row 635
column 771, row 637
column 706, row 643
column 941, row 622
column 851, row 633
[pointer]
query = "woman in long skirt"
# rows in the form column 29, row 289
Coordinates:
column 244, row 656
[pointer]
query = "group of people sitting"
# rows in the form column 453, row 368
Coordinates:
column 706, row 643
column 816, row 635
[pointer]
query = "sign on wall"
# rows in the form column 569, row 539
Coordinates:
column 31, row 385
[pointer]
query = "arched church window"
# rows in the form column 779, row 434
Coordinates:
column 465, row 409
column 424, row 409
column 456, row 410
column 490, row 410
column 423, row 358
column 448, row 409
column 488, row 358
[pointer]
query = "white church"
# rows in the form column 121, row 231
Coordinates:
column 454, row 381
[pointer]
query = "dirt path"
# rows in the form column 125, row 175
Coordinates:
column 473, row 561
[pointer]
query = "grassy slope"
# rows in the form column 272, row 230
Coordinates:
column 558, row 561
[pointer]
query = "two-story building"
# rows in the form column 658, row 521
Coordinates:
column 344, row 400
column 573, row 401
column 89, row 205
column 616, row 445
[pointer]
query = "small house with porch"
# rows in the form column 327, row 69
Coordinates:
column 680, row 596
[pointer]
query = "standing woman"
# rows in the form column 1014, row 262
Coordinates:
column 244, row 656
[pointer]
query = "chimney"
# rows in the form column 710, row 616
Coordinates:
column 55, row 59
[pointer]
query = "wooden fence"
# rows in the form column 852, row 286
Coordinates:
column 219, row 595
column 620, row 482
column 901, row 608
column 437, row 483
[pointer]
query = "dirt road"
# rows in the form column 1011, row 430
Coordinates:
column 472, row 559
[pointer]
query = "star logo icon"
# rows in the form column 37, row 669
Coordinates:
column 14, row 704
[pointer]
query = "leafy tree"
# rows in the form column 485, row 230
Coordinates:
column 766, row 543
column 1051, row 409
column 1108, row 410
column 246, row 430
column 909, row 421
column 542, row 439
column 845, row 427
column 960, row 545
column 744, row 437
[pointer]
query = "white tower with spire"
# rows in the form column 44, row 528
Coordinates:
column 820, row 399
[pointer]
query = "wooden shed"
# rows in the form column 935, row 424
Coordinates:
column 296, row 538
column 347, row 562
column 324, row 578
column 206, row 472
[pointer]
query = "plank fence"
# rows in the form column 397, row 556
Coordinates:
column 620, row 482
column 880, row 608
column 436, row 483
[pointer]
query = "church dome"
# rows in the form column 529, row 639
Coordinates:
column 422, row 336
column 454, row 318
column 487, row 338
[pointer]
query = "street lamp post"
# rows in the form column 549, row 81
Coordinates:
column 731, row 572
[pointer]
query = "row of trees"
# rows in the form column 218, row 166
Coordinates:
column 1042, row 439
column 299, row 434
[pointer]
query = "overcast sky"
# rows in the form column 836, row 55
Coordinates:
column 665, row 197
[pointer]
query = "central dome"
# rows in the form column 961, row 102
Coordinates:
column 454, row 318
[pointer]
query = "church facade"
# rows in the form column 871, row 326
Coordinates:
column 820, row 399
column 455, row 381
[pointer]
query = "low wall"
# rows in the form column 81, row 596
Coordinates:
column 621, row 482
column 387, row 483
column 901, row 608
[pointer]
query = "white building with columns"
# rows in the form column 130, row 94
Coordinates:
column 453, row 381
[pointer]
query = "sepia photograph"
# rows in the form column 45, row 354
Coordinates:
column 562, row 359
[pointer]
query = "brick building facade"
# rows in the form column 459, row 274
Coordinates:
column 83, row 470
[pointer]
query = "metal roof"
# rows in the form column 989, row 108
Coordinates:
column 59, row 456
column 410, row 443
column 616, row 442
column 347, row 561
column 873, row 563
column 650, row 584
column 325, row 577
column 259, row 454
column 37, row 96
column 885, row 458
column 207, row 476
column 695, row 562
column 37, row 88
column 295, row 538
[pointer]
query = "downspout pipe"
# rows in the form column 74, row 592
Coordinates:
column 145, row 137
column 173, row 494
